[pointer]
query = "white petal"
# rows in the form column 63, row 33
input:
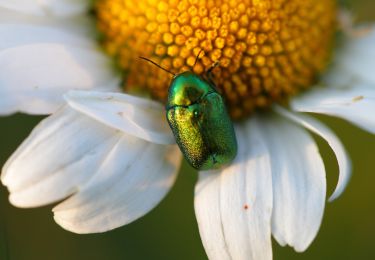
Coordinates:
column 356, row 104
column 46, row 7
column 34, row 77
column 234, row 205
column 299, row 184
column 115, row 178
column 358, row 56
column 13, row 35
column 136, row 116
column 208, row 213
column 123, row 191
column 81, row 25
column 335, row 144
column 61, row 153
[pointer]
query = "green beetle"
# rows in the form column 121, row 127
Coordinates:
column 199, row 121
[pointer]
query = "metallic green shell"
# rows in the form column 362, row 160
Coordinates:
column 200, row 123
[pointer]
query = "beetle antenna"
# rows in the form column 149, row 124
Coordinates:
column 197, row 58
column 209, row 74
column 213, row 66
column 157, row 65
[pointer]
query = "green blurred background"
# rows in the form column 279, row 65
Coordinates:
column 170, row 231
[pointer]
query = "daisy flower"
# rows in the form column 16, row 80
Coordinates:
column 107, row 150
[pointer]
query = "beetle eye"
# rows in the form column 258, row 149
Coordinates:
column 196, row 113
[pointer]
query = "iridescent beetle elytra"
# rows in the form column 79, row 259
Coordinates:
column 198, row 118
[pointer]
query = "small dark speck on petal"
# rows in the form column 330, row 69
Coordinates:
column 120, row 113
column 358, row 98
column 36, row 87
column 246, row 207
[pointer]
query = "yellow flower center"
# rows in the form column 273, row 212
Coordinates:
column 267, row 50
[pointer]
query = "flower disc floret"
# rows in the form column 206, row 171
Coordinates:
column 268, row 50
